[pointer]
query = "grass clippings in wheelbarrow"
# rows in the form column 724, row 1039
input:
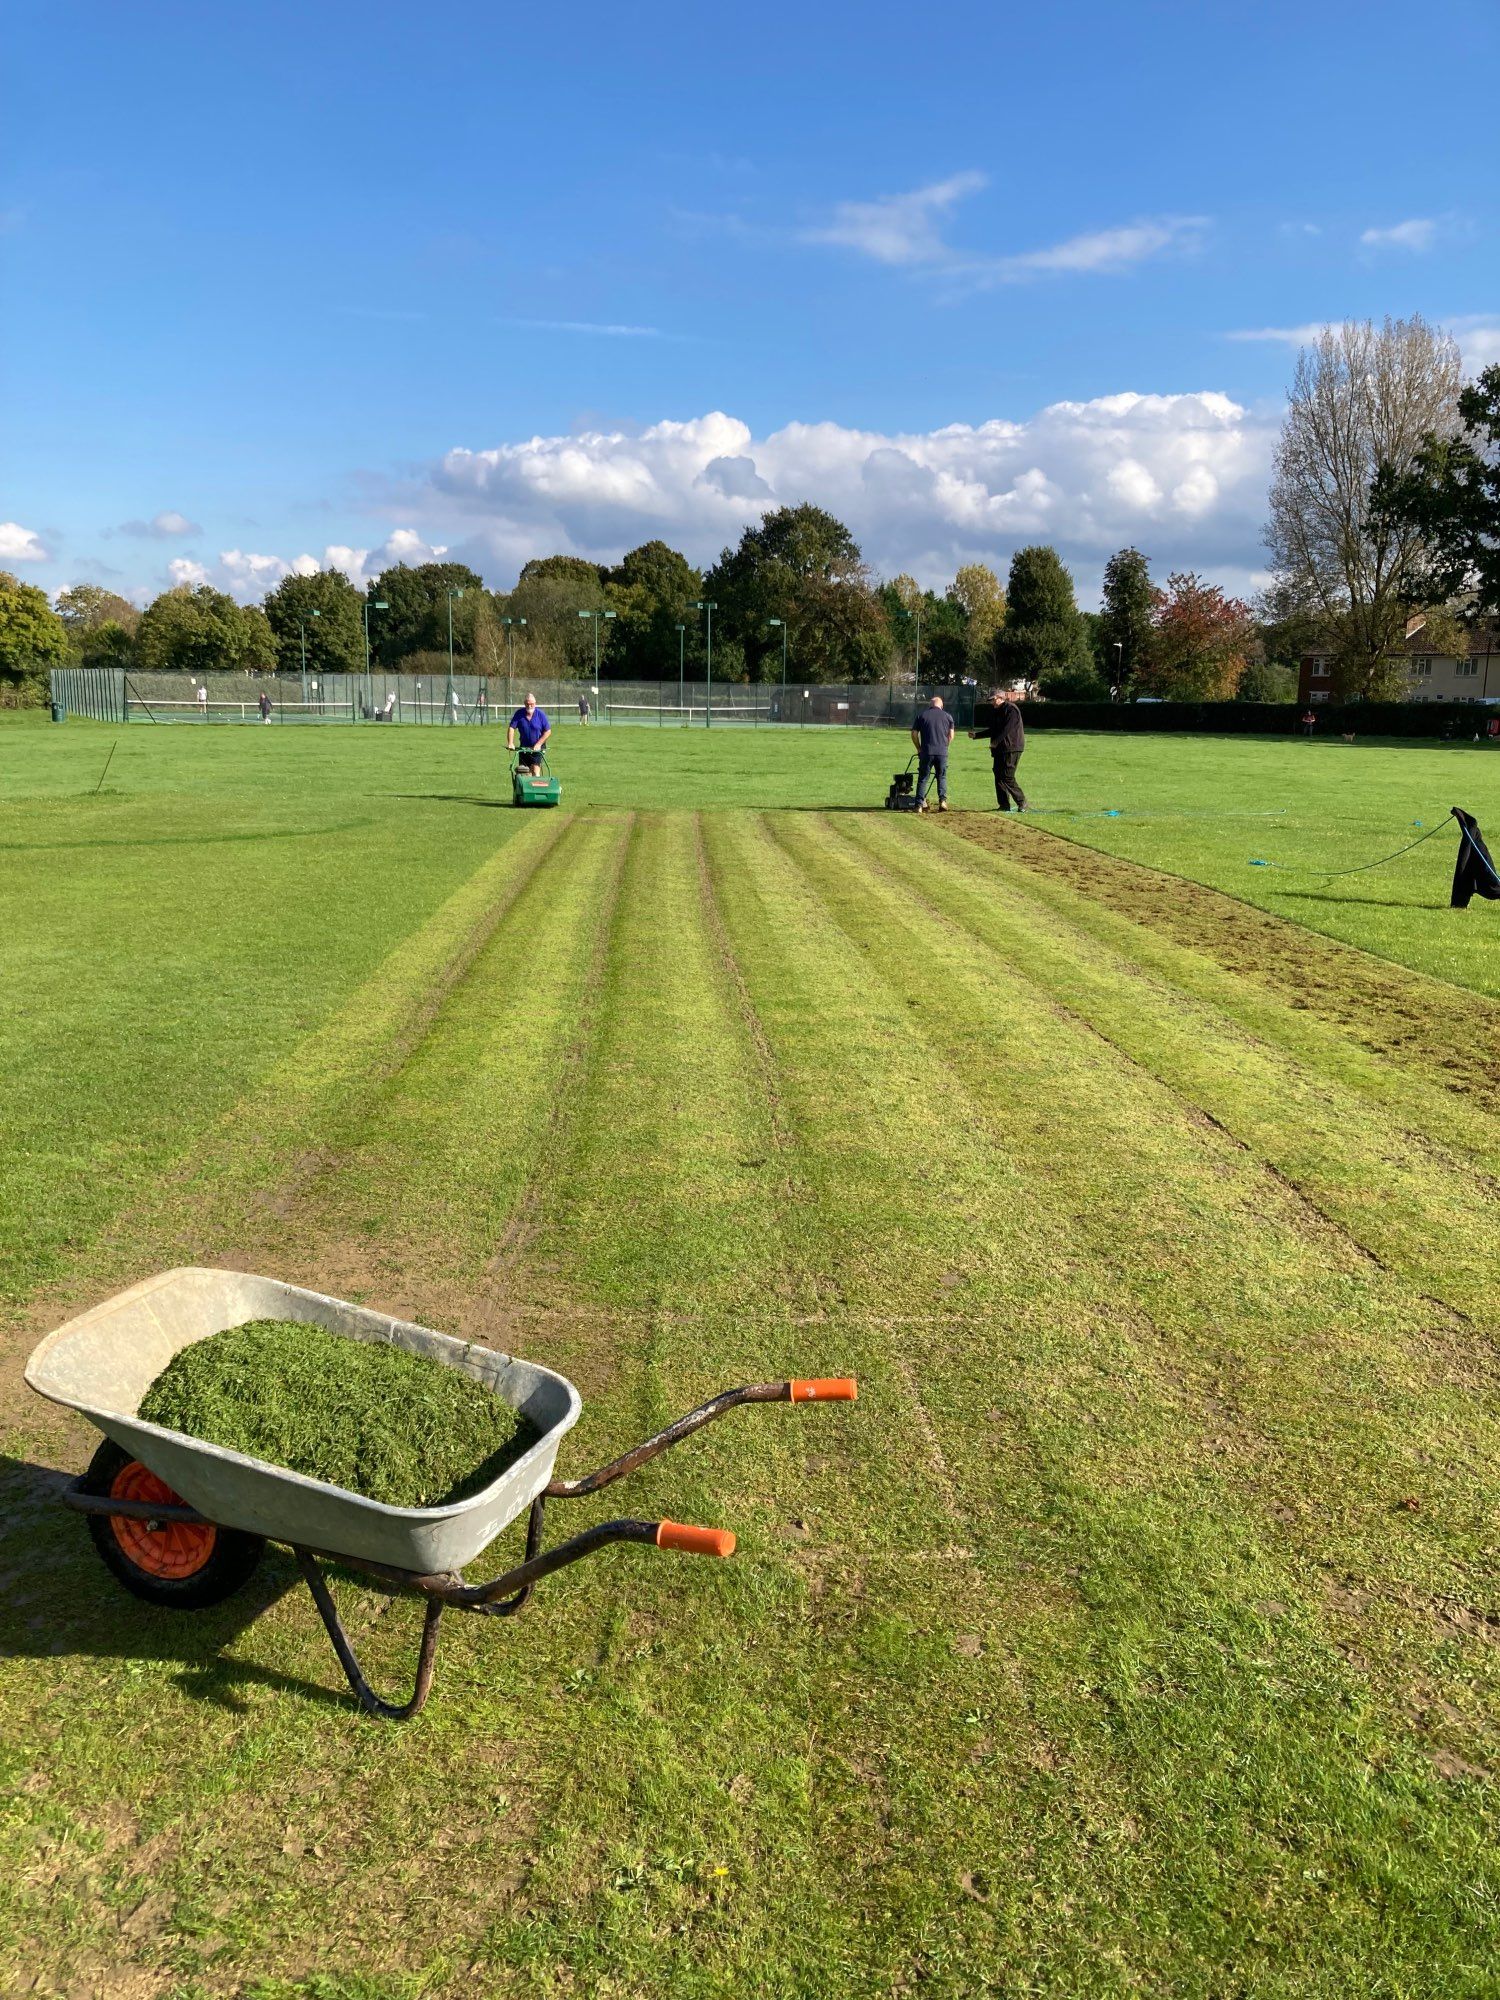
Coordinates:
column 376, row 1420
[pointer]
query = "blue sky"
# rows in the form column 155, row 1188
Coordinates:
column 291, row 284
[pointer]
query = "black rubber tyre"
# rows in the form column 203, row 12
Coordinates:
column 202, row 1566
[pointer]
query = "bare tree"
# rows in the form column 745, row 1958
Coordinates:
column 1362, row 397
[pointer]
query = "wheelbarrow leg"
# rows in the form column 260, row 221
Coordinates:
column 366, row 1696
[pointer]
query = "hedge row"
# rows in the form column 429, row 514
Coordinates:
column 1267, row 718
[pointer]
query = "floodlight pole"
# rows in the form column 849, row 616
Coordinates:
column 510, row 625
column 782, row 623
column 596, row 616
column 302, row 629
column 916, row 672
column 448, row 702
column 681, row 668
column 709, row 606
column 380, row 604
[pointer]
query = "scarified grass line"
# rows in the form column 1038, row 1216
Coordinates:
column 1316, row 1194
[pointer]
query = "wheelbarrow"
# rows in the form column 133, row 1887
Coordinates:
column 533, row 785
column 183, row 1523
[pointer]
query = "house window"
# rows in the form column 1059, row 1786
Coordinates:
column 1466, row 667
column 1318, row 694
column 1422, row 668
column 1320, row 670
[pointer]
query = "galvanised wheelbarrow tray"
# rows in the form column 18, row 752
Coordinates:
column 183, row 1523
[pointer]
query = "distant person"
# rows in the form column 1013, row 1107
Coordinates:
column 1007, row 738
column 529, row 729
column 583, row 710
column 264, row 705
column 203, row 700
column 932, row 733
column 1309, row 722
column 390, row 704
column 453, row 699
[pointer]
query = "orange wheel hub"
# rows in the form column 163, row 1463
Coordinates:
column 176, row 1549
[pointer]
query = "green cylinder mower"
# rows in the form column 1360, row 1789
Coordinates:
column 531, row 780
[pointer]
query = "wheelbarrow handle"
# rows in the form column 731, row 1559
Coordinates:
column 827, row 1389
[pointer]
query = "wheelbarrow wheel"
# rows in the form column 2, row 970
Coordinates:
column 185, row 1565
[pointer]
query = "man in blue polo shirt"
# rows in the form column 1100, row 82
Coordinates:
column 931, row 734
column 530, row 728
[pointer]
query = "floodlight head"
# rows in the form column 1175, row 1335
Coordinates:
column 773, row 621
column 380, row 604
column 611, row 614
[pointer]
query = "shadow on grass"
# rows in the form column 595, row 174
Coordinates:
column 1346, row 896
column 455, row 798
column 60, row 1602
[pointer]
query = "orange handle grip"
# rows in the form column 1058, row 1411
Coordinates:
column 694, row 1541
column 827, row 1389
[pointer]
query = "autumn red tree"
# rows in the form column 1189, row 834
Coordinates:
column 1200, row 642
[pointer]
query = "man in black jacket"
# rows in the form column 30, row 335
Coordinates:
column 1007, row 734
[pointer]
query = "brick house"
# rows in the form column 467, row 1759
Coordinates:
column 1430, row 676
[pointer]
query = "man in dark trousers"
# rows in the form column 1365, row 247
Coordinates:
column 1007, row 734
column 932, row 733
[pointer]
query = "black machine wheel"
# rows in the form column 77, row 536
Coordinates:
column 185, row 1565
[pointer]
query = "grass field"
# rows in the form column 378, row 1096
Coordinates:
column 1134, row 1634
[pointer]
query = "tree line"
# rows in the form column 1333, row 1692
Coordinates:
column 793, row 595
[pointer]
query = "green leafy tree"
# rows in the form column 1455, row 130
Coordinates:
column 1122, row 636
column 196, row 629
column 33, row 639
column 1266, row 680
column 1043, row 643
column 1200, row 640
column 549, row 595
column 87, row 606
column 977, row 592
column 802, row 565
column 651, row 592
column 1446, row 505
column 416, row 619
column 328, row 608
column 108, row 644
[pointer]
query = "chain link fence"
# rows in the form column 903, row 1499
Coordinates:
column 108, row 694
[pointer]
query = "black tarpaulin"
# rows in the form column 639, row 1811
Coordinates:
column 1474, row 872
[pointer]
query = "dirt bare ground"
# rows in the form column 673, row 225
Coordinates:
column 1386, row 1008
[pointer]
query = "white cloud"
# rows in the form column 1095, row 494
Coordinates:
column 1184, row 476
column 898, row 228
column 1478, row 337
column 18, row 544
column 1417, row 234
column 1291, row 336
column 1108, row 249
column 247, row 575
column 161, row 527
column 609, row 329
column 906, row 230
